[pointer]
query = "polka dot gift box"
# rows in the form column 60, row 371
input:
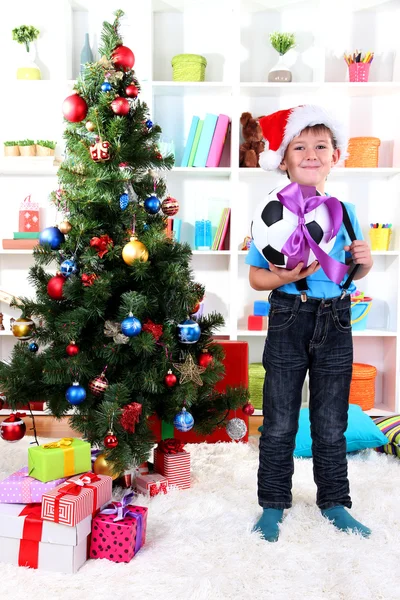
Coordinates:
column 119, row 531
column 18, row 488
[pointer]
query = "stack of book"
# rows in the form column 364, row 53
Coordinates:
column 22, row 240
column 221, row 239
column 206, row 141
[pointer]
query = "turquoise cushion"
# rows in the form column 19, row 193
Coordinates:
column 361, row 432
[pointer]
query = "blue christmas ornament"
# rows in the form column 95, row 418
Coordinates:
column 131, row 326
column 123, row 201
column 106, row 87
column 75, row 394
column 189, row 332
column 183, row 421
column 69, row 267
column 52, row 236
column 33, row 347
column 152, row 205
column 149, row 124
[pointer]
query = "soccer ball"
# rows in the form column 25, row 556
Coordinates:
column 273, row 224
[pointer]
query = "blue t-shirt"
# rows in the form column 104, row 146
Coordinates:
column 319, row 286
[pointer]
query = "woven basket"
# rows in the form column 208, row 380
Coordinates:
column 188, row 67
column 363, row 152
column 362, row 387
column 256, row 382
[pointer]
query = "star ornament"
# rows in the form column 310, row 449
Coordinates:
column 189, row 371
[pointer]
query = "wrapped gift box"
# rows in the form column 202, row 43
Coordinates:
column 118, row 532
column 76, row 499
column 66, row 457
column 152, row 485
column 28, row 541
column 174, row 466
column 18, row 488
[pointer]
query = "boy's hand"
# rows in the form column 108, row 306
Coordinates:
column 360, row 253
column 291, row 275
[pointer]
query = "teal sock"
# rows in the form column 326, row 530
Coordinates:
column 344, row 521
column 267, row 524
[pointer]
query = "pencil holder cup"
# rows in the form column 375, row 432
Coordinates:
column 380, row 238
column 359, row 71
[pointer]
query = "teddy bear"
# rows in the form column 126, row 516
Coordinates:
column 253, row 145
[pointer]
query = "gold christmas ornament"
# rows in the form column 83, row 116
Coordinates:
column 65, row 227
column 134, row 250
column 23, row 328
column 89, row 126
column 102, row 466
column 189, row 371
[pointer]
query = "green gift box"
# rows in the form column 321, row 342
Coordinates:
column 64, row 458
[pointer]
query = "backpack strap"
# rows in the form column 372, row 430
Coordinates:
column 302, row 286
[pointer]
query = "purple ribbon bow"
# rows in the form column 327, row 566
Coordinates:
column 300, row 200
column 121, row 509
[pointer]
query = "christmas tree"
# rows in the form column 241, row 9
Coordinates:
column 113, row 335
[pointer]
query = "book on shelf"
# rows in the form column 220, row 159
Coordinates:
column 205, row 140
column 176, row 229
column 38, row 405
column 26, row 235
column 195, row 142
column 190, row 140
column 22, row 244
column 169, row 226
column 221, row 239
column 218, row 141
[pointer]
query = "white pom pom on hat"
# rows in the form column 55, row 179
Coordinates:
column 281, row 127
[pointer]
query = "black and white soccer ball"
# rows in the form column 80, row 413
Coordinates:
column 273, row 224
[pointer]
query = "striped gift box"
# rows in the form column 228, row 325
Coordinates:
column 175, row 467
column 89, row 492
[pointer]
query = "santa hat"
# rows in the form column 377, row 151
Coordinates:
column 280, row 128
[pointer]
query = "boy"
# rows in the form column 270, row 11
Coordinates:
column 308, row 330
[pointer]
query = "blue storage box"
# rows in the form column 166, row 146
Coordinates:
column 261, row 308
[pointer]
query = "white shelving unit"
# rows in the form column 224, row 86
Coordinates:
column 233, row 36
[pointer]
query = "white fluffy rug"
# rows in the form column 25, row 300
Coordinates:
column 200, row 546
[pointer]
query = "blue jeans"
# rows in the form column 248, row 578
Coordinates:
column 314, row 335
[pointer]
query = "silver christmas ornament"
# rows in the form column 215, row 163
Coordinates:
column 236, row 429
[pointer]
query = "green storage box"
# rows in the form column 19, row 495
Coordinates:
column 188, row 67
column 256, row 383
column 63, row 458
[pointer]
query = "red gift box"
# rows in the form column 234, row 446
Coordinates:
column 173, row 462
column 152, row 484
column 28, row 216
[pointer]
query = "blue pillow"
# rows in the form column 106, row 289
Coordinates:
column 361, row 432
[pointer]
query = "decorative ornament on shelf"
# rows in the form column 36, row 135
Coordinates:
column 189, row 371
column 152, row 205
column 100, row 150
column 72, row 349
column 282, row 43
column 75, row 394
column 13, row 428
column 26, row 35
column 205, row 359
column 123, row 58
column 101, row 244
column 189, row 332
column 132, row 91
column 90, row 126
column 52, row 236
column 110, row 441
column 55, row 286
column 123, row 201
column 69, row 267
column 88, row 280
column 183, row 421
column 170, row 206
column 248, row 409
column 170, row 379
column 23, row 328
column 65, row 227
column 120, row 106
column 113, row 329
column 102, row 466
column 74, row 108
column 236, row 429
column 131, row 326
column 134, row 250
column 98, row 385
column 130, row 416
column 33, row 347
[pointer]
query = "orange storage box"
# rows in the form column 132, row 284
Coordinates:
column 362, row 387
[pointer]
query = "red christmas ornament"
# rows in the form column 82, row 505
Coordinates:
column 101, row 244
column 120, row 106
column 131, row 91
column 110, row 441
column 158, row 156
column 13, row 428
column 88, row 280
column 170, row 206
column 98, row 385
column 205, row 359
column 72, row 349
column 100, row 151
column 170, row 379
column 123, row 58
column 130, row 416
column 248, row 409
column 55, row 287
column 195, row 309
column 155, row 330
column 74, row 108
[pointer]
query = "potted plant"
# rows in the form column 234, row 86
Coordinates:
column 11, row 148
column 27, row 147
column 282, row 43
column 45, row 148
column 27, row 34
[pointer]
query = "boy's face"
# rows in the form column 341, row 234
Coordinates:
column 309, row 158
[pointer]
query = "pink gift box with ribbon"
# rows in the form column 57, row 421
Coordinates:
column 152, row 484
column 172, row 461
column 19, row 488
